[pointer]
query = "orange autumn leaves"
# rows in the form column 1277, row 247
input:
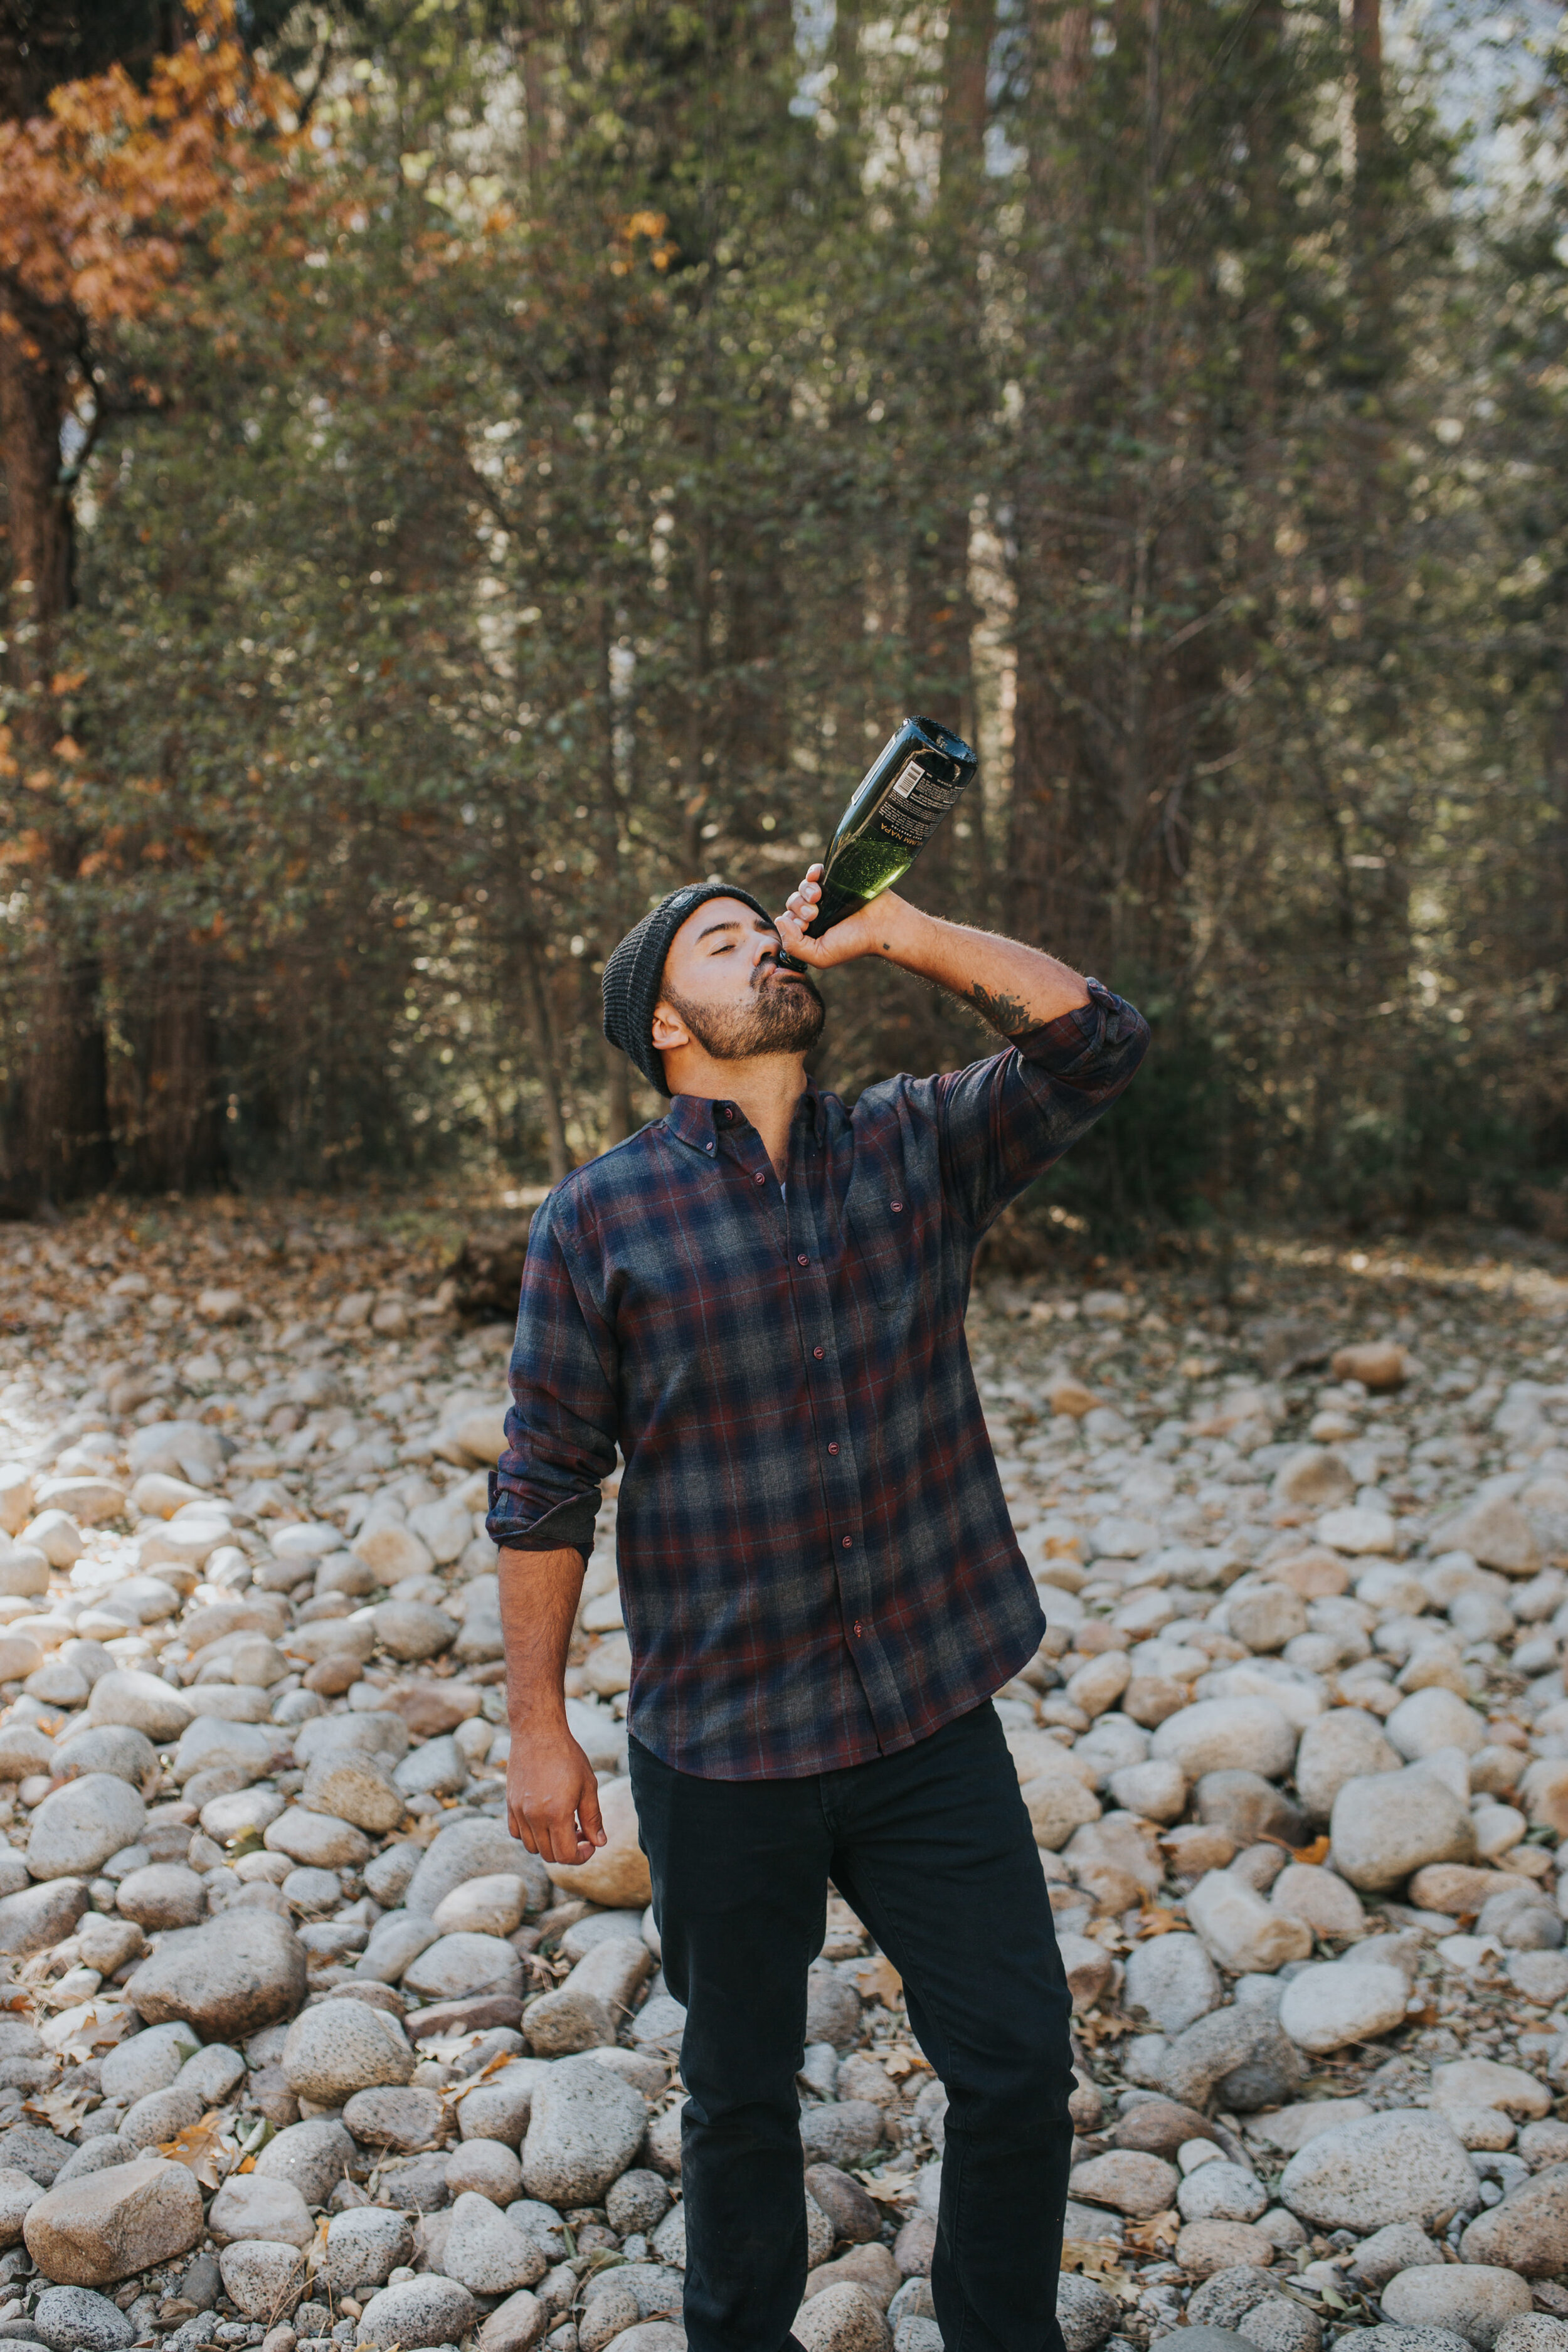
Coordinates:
column 101, row 197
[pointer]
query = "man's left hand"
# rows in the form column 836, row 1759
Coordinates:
column 880, row 928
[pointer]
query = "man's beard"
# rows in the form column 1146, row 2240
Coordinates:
column 783, row 1018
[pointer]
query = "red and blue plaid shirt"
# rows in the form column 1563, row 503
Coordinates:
column 816, row 1564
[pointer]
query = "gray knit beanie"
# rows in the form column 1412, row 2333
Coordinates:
column 634, row 973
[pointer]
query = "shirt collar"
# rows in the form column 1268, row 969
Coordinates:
column 697, row 1120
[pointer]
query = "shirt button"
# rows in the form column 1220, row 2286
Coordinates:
column 803, row 1259
column 833, row 1446
column 857, row 1629
column 895, row 1206
column 759, row 1178
column 848, row 1542
column 709, row 1146
column 817, row 1352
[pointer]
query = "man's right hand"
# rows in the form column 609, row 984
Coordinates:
column 552, row 1797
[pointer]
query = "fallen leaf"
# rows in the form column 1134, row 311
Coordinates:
column 1156, row 2235
column 902, row 2061
column 1317, row 1851
column 61, row 2110
column 1153, row 1920
column 875, row 1979
column 204, row 2148
column 886, row 2188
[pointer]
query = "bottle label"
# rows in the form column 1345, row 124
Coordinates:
column 916, row 804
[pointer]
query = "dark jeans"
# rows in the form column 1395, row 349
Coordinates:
column 933, row 1849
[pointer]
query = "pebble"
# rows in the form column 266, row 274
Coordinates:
column 1386, row 1827
column 585, row 2127
column 1128, row 2181
column 1474, row 2299
column 76, row 2319
column 259, row 2275
column 432, row 2310
column 1529, row 2230
column 1329, row 2007
column 339, row 2047
column 1172, row 1979
column 77, row 1829
column 1403, row 2165
column 239, row 1972
column 107, row 2227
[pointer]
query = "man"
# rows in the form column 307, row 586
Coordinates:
column 760, row 1299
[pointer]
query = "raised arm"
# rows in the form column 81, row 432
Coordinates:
column 1016, row 988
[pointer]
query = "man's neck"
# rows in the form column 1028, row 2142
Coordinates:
column 765, row 1088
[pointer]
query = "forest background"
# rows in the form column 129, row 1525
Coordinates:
column 469, row 464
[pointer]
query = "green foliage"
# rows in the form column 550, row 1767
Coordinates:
column 561, row 482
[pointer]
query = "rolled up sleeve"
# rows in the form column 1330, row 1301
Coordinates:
column 561, row 1426
column 1004, row 1121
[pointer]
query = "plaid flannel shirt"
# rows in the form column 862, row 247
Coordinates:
column 815, row 1560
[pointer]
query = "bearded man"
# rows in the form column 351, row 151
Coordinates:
column 759, row 1299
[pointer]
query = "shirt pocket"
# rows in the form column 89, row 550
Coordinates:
column 883, row 1233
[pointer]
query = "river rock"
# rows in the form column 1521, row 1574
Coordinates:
column 78, row 2319
column 1474, row 2300
column 1248, row 1735
column 146, row 1702
column 457, row 1968
column 112, row 2224
column 164, row 1894
column 485, row 2252
column 842, row 2318
column 1483, row 2083
column 247, row 2206
column 585, row 2127
column 364, row 2246
column 261, row 2277
column 78, row 1828
column 1239, row 1929
column 1495, row 1532
column 239, row 1972
column 1400, row 2247
column 1528, row 2232
column 38, row 1916
column 476, row 1850
column 1431, row 1719
column 1239, row 2055
column 114, row 1748
column 1221, row 2192
column 338, row 2047
column 431, row 2310
column 314, row 2154
column 1126, row 2180
column 1172, row 1979
column 1329, row 2007
column 1345, row 1744
column 1247, row 1808
column 1086, row 2312
column 1402, row 2165
column 1386, row 1826
column 354, row 1790
column 19, row 2192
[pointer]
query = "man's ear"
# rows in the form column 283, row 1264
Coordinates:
column 669, row 1029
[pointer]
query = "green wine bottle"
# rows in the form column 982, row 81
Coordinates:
column 904, row 795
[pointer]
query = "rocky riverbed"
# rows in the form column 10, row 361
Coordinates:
column 298, row 2048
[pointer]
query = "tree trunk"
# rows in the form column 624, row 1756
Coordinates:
column 942, row 613
column 1046, row 899
column 57, row 1146
column 175, row 1141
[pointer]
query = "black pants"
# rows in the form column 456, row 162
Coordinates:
column 933, row 1849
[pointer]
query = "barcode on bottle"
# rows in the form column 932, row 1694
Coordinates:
column 908, row 778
